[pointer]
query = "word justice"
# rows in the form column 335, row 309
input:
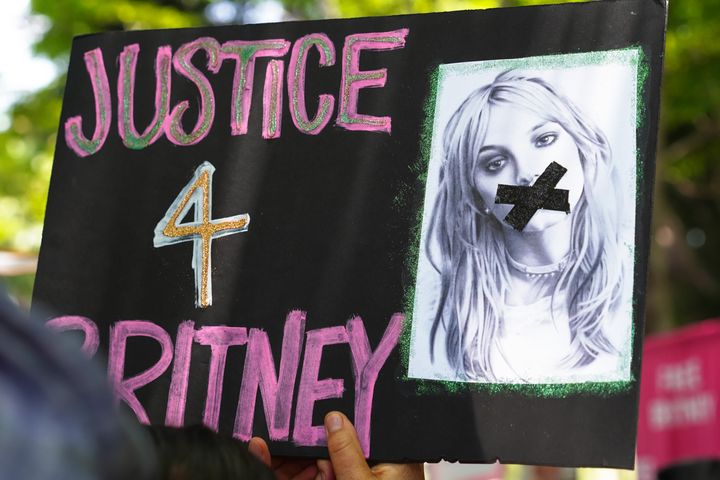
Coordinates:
column 277, row 389
column 243, row 54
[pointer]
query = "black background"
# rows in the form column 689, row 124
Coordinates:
column 327, row 234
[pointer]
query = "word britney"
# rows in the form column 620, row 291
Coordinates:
column 243, row 53
column 276, row 390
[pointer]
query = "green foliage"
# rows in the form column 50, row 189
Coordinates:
column 685, row 281
column 69, row 18
column 352, row 8
column 26, row 149
column 27, row 146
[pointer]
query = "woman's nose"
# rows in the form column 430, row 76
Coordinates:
column 526, row 178
column 526, row 164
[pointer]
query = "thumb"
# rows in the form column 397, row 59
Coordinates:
column 260, row 450
column 346, row 455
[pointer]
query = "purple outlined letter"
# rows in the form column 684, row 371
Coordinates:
column 277, row 391
column 73, row 322
column 103, row 109
column 126, row 97
column 353, row 79
column 273, row 99
column 244, row 53
column 366, row 368
column 219, row 338
column 296, row 83
column 311, row 389
column 177, row 395
column 125, row 388
column 182, row 61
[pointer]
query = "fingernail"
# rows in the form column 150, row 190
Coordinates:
column 333, row 422
column 320, row 476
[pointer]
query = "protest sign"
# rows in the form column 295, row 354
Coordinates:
column 256, row 225
column 679, row 420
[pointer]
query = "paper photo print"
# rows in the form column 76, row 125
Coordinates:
column 525, row 270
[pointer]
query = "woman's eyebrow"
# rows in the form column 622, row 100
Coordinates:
column 485, row 148
column 540, row 125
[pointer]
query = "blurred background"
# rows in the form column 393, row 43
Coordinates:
column 684, row 274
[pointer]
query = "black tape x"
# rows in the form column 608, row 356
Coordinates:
column 529, row 199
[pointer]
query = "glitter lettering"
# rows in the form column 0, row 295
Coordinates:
column 353, row 79
column 74, row 136
column 197, row 194
column 244, row 54
column 273, row 99
column 296, row 83
column 126, row 97
column 183, row 65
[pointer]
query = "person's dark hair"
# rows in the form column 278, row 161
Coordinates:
column 57, row 415
column 198, row 453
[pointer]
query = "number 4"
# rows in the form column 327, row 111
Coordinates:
column 202, row 231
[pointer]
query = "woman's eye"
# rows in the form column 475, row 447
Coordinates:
column 495, row 163
column 545, row 140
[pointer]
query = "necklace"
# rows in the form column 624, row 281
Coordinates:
column 533, row 271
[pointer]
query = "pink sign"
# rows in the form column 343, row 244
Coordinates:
column 679, row 394
column 465, row 471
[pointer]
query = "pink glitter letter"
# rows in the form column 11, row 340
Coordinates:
column 296, row 83
column 219, row 338
column 175, row 412
column 244, row 54
column 126, row 97
column 311, row 389
column 273, row 99
column 124, row 388
column 92, row 337
column 103, row 109
column 277, row 392
column 183, row 65
column 366, row 367
column 353, row 79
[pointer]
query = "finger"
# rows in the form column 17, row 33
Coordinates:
column 309, row 473
column 325, row 471
column 399, row 471
column 278, row 462
column 348, row 461
column 293, row 469
column 260, row 450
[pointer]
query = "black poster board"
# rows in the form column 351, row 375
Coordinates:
column 243, row 223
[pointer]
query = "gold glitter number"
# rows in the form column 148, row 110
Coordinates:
column 201, row 231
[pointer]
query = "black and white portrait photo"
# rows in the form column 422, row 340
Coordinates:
column 525, row 270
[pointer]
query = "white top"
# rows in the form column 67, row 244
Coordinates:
column 530, row 347
column 533, row 343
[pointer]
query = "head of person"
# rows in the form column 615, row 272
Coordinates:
column 58, row 417
column 198, row 453
column 508, row 132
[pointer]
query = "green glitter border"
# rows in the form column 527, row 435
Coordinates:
column 632, row 55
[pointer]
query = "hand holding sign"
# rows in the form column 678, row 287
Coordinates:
column 347, row 461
